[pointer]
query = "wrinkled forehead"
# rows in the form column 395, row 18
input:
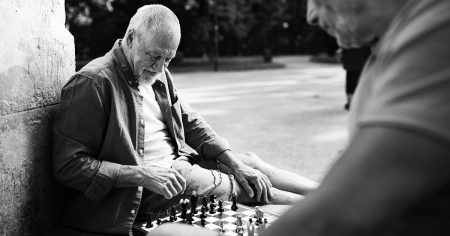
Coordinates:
column 162, row 38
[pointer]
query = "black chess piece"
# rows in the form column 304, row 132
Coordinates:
column 158, row 221
column 149, row 222
column 212, row 208
column 203, row 212
column 220, row 206
column 212, row 198
column 183, row 203
column 189, row 219
column 202, row 222
column 205, row 203
column 194, row 200
column 234, row 205
column 173, row 213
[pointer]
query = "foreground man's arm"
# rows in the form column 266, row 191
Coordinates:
column 383, row 173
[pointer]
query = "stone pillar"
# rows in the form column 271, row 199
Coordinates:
column 36, row 59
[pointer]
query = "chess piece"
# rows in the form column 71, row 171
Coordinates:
column 173, row 213
column 189, row 219
column 149, row 222
column 184, row 203
column 259, row 215
column 240, row 230
column 220, row 207
column 158, row 221
column 203, row 212
column 234, row 200
column 194, row 199
column 250, row 229
column 205, row 203
column 221, row 226
column 212, row 198
column 238, row 220
column 212, row 208
column 202, row 222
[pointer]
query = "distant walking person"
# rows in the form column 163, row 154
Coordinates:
column 353, row 61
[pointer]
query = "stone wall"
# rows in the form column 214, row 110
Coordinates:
column 36, row 58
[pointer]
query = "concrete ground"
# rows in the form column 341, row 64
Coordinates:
column 292, row 117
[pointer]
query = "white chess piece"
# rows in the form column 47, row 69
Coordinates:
column 238, row 220
column 250, row 229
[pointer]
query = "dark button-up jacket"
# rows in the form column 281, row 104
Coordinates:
column 100, row 127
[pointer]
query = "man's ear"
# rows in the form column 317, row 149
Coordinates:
column 130, row 37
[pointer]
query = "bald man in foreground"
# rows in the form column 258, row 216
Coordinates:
column 394, row 176
column 127, row 145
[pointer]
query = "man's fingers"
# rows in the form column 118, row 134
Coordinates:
column 180, row 181
column 269, row 186
column 259, row 189
column 166, row 193
column 246, row 187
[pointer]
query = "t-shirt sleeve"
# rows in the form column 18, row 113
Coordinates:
column 413, row 86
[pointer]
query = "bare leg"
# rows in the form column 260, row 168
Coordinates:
column 279, row 178
column 278, row 196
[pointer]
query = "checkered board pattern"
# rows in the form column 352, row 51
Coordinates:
column 228, row 218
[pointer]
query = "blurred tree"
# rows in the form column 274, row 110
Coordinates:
column 246, row 27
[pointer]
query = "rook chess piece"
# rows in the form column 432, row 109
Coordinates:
column 234, row 199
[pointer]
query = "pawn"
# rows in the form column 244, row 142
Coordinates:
column 158, row 221
column 220, row 207
column 202, row 222
column 250, row 229
column 203, row 212
column 238, row 220
column 212, row 208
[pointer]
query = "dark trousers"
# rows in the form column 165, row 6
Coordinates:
column 352, row 79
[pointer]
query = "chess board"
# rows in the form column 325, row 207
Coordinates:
column 228, row 217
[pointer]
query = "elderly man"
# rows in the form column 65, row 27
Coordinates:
column 394, row 176
column 125, row 142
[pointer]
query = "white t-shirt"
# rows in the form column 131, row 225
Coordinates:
column 158, row 147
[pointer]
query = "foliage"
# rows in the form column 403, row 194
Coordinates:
column 246, row 27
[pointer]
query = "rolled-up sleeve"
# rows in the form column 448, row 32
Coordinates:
column 78, row 132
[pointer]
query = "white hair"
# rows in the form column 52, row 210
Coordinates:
column 154, row 17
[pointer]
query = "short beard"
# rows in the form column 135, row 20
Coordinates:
column 147, row 79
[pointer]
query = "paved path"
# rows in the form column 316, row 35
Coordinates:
column 291, row 117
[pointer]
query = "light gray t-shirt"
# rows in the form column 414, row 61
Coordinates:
column 406, row 83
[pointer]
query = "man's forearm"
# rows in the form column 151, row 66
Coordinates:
column 129, row 176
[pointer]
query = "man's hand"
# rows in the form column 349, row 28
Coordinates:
column 247, row 176
column 165, row 181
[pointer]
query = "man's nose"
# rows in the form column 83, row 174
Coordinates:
column 158, row 66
